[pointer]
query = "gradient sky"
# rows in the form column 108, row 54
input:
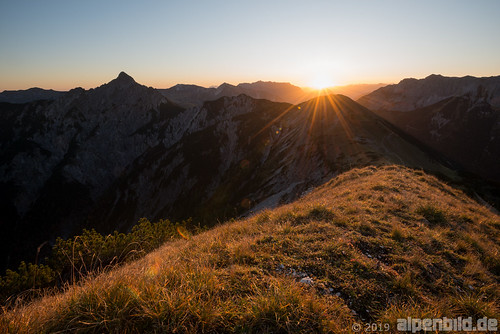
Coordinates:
column 65, row 44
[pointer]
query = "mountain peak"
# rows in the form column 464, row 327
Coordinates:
column 121, row 81
column 124, row 77
column 225, row 84
column 434, row 76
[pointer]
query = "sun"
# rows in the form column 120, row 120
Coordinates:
column 321, row 81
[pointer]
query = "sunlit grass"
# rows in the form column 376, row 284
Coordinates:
column 366, row 239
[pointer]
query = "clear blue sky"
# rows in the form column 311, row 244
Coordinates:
column 64, row 44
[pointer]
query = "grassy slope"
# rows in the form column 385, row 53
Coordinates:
column 378, row 244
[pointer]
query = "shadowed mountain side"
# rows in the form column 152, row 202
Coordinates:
column 252, row 154
column 461, row 128
column 458, row 117
column 58, row 157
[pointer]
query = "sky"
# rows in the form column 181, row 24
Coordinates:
column 66, row 44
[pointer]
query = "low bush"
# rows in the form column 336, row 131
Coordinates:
column 91, row 252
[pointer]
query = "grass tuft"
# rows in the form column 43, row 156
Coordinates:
column 434, row 215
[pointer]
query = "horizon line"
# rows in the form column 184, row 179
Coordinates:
column 357, row 83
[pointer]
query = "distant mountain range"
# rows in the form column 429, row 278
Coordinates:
column 189, row 95
column 193, row 95
column 105, row 157
column 352, row 91
column 459, row 117
column 29, row 95
column 411, row 94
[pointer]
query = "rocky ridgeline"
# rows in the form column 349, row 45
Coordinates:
column 411, row 94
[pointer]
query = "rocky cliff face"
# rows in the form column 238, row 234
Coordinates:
column 105, row 157
column 463, row 128
column 459, row 117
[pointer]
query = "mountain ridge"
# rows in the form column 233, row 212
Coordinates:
column 410, row 93
column 123, row 151
column 191, row 95
column 29, row 95
column 461, row 128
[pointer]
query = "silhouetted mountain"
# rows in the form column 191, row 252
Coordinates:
column 355, row 91
column 105, row 157
column 274, row 91
column 192, row 95
column 29, row 95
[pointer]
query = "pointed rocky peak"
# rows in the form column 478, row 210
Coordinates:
column 124, row 78
column 122, row 81
column 124, row 90
column 226, row 89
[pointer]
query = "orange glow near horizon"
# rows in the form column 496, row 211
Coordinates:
column 61, row 45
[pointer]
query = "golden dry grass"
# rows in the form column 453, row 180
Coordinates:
column 377, row 244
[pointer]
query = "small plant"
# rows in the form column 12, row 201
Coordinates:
column 380, row 187
column 434, row 215
column 341, row 222
column 475, row 306
column 404, row 285
column 288, row 217
column 367, row 230
column 263, row 217
column 321, row 212
column 397, row 234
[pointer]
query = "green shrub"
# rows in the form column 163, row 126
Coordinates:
column 90, row 252
column 28, row 276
